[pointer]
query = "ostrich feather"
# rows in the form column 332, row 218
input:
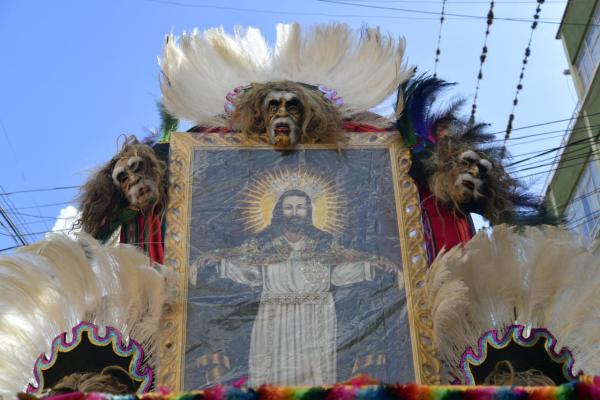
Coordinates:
column 540, row 277
column 49, row 287
column 200, row 68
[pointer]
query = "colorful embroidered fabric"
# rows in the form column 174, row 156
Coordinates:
column 442, row 228
column 586, row 388
column 146, row 232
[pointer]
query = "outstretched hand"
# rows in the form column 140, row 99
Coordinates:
column 386, row 265
column 204, row 261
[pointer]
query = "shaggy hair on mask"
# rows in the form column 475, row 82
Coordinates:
column 498, row 188
column 504, row 374
column 438, row 135
column 102, row 203
column 321, row 123
column 113, row 380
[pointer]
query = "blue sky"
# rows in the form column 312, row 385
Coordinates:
column 77, row 74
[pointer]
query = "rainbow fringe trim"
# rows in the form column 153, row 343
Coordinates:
column 586, row 388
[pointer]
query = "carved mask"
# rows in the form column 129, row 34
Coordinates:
column 133, row 177
column 283, row 113
column 472, row 170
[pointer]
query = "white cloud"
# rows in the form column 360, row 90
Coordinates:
column 65, row 220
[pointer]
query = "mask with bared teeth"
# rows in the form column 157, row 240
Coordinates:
column 286, row 113
column 133, row 180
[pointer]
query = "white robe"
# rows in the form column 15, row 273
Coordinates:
column 294, row 334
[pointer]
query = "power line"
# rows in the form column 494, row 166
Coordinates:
column 35, row 216
column 450, row 2
column 450, row 14
column 553, row 149
column 561, row 131
column 542, row 152
column 294, row 13
column 10, row 248
column 579, row 151
column 39, row 233
column 45, row 205
column 583, row 196
column 39, row 190
column 16, row 234
column 576, row 223
column 557, row 169
column 583, row 156
column 547, row 123
column 511, row 117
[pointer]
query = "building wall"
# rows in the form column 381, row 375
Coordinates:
column 574, row 190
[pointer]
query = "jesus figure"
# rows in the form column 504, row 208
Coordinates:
column 294, row 334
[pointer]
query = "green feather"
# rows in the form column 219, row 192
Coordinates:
column 168, row 123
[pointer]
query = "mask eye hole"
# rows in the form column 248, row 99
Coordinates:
column 273, row 106
column 138, row 166
column 122, row 176
column 293, row 105
column 467, row 161
column 485, row 165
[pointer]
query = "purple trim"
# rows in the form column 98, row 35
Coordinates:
column 515, row 334
column 113, row 337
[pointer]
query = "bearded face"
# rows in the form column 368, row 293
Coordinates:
column 472, row 170
column 283, row 113
column 133, row 178
column 295, row 212
column 460, row 177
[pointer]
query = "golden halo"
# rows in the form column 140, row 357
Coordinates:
column 259, row 199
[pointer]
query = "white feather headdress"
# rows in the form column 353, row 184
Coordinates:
column 363, row 66
column 538, row 278
column 48, row 288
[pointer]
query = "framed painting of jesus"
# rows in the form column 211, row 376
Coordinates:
column 297, row 266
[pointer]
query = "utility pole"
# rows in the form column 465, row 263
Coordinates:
column 16, row 233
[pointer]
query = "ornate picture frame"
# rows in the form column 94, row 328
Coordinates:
column 182, row 238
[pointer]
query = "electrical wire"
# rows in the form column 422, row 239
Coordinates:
column 10, row 248
column 542, row 153
column 449, row 14
column 450, row 2
column 583, row 196
column 585, row 156
column 547, row 123
column 580, row 152
column 45, row 205
column 576, row 223
column 273, row 12
column 40, row 233
column 36, row 216
column 557, row 169
column 39, row 190
column 575, row 152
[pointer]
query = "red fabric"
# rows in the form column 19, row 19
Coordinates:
column 145, row 231
column 443, row 229
column 350, row 126
column 156, row 245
